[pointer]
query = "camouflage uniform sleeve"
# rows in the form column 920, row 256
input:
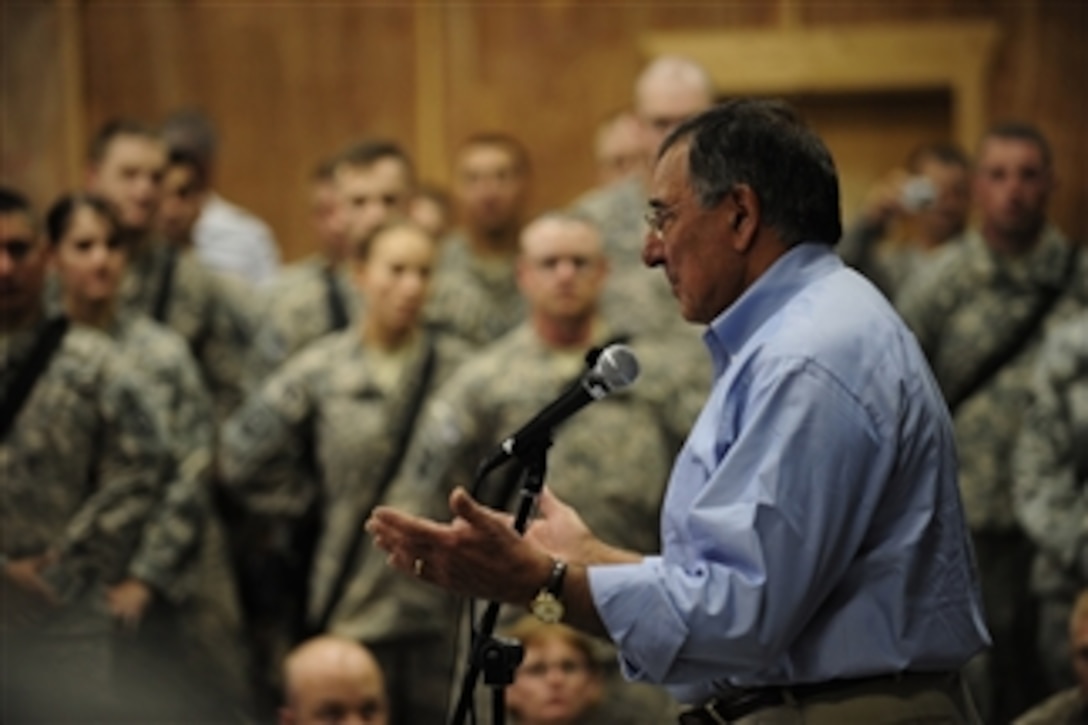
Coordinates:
column 134, row 458
column 923, row 304
column 172, row 535
column 442, row 446
column 676, row 376
column 269, row 350
column 1050, row 503
column 262, row 456
column 225, row 352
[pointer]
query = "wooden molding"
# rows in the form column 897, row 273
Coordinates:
column 953, row 56
column 70, row 23
column 431, row 122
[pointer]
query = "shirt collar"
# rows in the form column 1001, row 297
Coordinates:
column 736, row 324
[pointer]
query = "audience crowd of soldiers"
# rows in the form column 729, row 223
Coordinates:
column 192, row 436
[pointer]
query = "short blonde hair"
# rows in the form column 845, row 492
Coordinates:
column 531, row 631
column 360, row 249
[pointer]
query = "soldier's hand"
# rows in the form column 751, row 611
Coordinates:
column 883, row 202
column 28, row 596
column 128, row 602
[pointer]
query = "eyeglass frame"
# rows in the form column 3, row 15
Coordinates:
column 657, row 217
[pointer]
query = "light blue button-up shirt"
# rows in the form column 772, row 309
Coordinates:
column 812, row 528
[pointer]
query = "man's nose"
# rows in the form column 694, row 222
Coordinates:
column 652, row 255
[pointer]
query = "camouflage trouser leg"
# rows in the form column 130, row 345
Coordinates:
column 213, row 623
column 57, row 678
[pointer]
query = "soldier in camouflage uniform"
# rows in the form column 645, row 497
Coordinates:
column 667, row 92
column 160, row 590
column 976, row 299
column 361, row 187
column 364, row 186
column 1051, row 486
column 475, row 294
column 166, row 283
column 330, row 424
column 610, row 461
column 944, row 171
column 80, row 470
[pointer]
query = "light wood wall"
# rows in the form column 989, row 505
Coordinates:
column 290, row 81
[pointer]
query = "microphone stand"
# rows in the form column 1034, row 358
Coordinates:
column 498, row 657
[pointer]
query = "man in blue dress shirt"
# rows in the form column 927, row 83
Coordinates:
column 815, row 565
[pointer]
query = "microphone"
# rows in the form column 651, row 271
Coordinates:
column 614, row 368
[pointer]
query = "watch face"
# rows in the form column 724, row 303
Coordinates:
column 547, row 608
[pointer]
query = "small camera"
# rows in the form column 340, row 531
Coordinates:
column 918, row 193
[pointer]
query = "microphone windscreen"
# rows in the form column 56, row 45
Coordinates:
column 617, row 367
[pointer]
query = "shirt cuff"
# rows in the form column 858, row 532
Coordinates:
column 638, row 613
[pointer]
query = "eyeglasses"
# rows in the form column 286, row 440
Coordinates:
column 657, row 218
column 541, row 669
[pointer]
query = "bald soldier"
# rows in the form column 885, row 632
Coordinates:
column 610, row 459
column 333, row 681
column 669, row 90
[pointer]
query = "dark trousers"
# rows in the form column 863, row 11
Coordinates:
column 1007, row 680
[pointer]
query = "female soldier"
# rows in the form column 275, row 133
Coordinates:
column 329, row 429
column 161, row 584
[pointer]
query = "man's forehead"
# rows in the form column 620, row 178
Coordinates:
column 381, row 168
column 128, row 147
column 673, row 100
column 545, row 237
column 486, row 157
column 999, row 149
column 670, row 171
column 383, row 175
column 16, row 226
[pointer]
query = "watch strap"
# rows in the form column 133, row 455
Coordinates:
column 554, row 585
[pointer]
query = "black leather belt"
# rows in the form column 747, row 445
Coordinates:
column 728, row 708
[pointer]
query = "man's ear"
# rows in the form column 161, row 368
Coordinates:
column 742, row 208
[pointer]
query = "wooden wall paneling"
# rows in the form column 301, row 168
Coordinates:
column 120, row 64
column 873, row 91
column 1041, row 76
column 70, row 55
column 432, row 142
column 41, row 98
column 334, row 74
column 869, row 134
column 548, row 73
column 859, row 59
column 289, row 82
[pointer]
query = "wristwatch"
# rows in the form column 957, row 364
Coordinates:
column 546, row 605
